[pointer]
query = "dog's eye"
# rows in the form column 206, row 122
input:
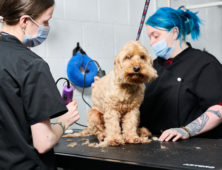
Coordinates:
column 128, row 57
column 142, row 57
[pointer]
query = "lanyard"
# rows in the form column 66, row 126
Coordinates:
column 142, row 19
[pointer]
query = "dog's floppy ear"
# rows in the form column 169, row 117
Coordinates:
column 116, row 65
column 117, row 68
column 151, row 59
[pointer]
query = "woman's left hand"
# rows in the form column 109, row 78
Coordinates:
column 174, row 134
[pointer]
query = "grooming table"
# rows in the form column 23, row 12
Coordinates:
column 195, row 153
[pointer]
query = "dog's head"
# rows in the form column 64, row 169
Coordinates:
column 133, row 64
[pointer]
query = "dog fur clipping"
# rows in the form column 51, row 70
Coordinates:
column 114, row 116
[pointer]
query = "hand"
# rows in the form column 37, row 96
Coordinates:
column 96, row 78
column 71, row 116
column 174, row 134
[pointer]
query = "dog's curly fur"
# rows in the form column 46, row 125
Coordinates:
column 114, row 116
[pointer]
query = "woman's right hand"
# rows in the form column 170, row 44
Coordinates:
column 96, row 78
column 71, row 116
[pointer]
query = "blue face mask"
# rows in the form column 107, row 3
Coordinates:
column 42, row 35
column 162, row 50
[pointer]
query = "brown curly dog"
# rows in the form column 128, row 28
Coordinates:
column 114, row 116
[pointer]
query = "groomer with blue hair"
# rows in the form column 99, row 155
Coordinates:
column 186, row 98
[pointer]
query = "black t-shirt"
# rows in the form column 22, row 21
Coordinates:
column 182, row 92
column 28, row 95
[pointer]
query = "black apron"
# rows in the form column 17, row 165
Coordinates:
column 28, row 95
column 177, row 96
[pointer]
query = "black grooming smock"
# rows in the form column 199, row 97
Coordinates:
column 183, row 91
column 28, row 95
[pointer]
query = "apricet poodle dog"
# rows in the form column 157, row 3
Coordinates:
column 114, row 116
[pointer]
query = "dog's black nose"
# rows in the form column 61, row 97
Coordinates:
column 136, row 69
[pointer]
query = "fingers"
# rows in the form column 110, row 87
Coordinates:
column 163, row 136
column 76, row 117
column 170, row 137
column 72, row 105
column 72, row 117
column 93, row 85
column 73, row 102
column 73, row 112
column 170, row 134
column 96, row 78
column 176, row 138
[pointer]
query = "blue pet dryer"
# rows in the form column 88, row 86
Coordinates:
column 78, row 62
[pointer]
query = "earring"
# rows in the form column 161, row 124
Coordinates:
column 23, row 30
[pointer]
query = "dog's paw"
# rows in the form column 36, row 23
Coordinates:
column 101, row 137
column 115, row 141
column 144, row 132
column 132, row 139
column 145, row 140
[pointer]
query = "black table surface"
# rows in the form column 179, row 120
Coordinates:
column 194, row 153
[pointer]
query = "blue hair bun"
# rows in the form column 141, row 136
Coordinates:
column 78, row 62
column 191, row 23
column 166, row 18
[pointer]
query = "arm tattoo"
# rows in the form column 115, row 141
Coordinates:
column 196, row 126
column 182, row 132
column 217, row 113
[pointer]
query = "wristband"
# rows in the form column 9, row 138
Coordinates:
column 186, row 131
column 60, row 124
